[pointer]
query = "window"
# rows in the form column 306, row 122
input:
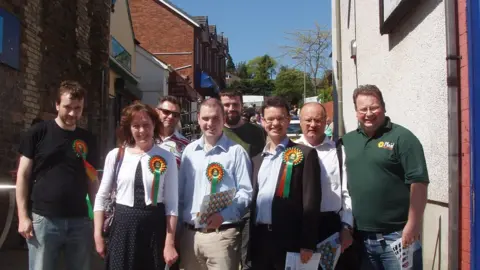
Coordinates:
column 9, row 39
column 121, row 54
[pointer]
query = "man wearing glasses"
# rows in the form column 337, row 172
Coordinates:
column 168, row 109
column 387, row 181
column 170, row 139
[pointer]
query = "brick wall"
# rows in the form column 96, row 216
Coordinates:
column 161, row 30
column 465, row 140
column 59, row 40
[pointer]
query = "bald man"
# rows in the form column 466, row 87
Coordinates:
column 336, row 210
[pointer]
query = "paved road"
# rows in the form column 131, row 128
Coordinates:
column 18, row 260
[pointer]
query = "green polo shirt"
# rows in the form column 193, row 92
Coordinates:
column 380, row 170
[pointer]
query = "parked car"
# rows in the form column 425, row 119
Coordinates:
column 294, row 131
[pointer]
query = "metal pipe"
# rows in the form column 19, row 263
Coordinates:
column 172, row 53
column 338, row 24
column 184, row 67
column 453, row 131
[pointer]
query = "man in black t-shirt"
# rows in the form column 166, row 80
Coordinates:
column 251, row 137
column 56, row 155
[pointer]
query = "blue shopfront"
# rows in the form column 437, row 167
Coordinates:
column 473, row 21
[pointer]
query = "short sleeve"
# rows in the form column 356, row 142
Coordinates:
column 412, row 159
column 29, row 141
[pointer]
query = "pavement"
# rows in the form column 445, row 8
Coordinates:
column 16, row 259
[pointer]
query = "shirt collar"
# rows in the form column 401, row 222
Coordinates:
column 283, row 144
column 221, row 143
column 326, row 141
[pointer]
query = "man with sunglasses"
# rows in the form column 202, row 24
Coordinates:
column 170, row 139
column 168, row 109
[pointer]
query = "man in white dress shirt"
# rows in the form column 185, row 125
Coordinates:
column 336, row 209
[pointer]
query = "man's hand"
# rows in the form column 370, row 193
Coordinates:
column 346, row 238
column 170, row 254
column 305, row 255
column 214, row 221
column 25, row 227
column 411, row 233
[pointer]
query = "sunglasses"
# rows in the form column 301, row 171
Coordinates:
column 168, row 112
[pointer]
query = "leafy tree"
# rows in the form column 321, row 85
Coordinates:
column 242, row 71
column 262, row 67
column 325, row 87
column 230, row 64
column 289, row 84
column 311, row 48
column 254, row 87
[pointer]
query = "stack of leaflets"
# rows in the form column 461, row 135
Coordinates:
column 214, row 203
column 330, row 250
column 404, row 254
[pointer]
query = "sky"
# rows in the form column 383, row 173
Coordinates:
column 258, row 27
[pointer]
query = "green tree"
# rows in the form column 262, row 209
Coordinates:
column 230, row 64
column 254, row 87
column 310, row 48
column 289, row 84
column 325, row 87
column 242, row 71
column 262, row 67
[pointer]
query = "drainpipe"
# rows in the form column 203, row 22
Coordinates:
column 339, row 128
column 453, row 131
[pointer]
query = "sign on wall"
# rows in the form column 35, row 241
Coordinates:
column 9, row 39
column 392, row 11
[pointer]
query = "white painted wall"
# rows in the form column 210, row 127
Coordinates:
column 153, row 77
column 408, row 65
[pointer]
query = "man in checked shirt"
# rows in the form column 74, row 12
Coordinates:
column 168, row 109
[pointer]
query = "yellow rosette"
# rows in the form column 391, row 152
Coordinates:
column 215, row 173
column 291, row 157
column 157, row 166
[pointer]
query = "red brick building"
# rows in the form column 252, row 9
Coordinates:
column 189, row 44
column 41, row 44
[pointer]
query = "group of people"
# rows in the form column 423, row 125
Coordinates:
column 240, row 196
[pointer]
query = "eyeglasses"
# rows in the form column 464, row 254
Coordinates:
column 371, row 109
column 168, row 112
column 280, row 120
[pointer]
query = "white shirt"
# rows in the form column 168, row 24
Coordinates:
column 168, row 188
column 334, row 195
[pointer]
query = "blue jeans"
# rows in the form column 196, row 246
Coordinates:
column 378, row 254
column 52, row 236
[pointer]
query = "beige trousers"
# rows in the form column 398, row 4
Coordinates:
column 210, row 251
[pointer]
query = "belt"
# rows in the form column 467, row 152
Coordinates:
column 205, row 230
column 264, row 227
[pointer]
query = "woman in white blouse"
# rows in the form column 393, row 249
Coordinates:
column 147, row 197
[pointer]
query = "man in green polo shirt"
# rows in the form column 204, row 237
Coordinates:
column 387, row 182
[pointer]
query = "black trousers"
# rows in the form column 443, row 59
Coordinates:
column 265, row 255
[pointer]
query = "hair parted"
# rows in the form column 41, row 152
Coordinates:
column 368, row 90
column 124, row 133
column 212, row 103
column 170, row 99
column 73, row 88
column 231, row 93
column 276, row 102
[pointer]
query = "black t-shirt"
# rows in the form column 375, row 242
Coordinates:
column 60, row 181
column 250, row 136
